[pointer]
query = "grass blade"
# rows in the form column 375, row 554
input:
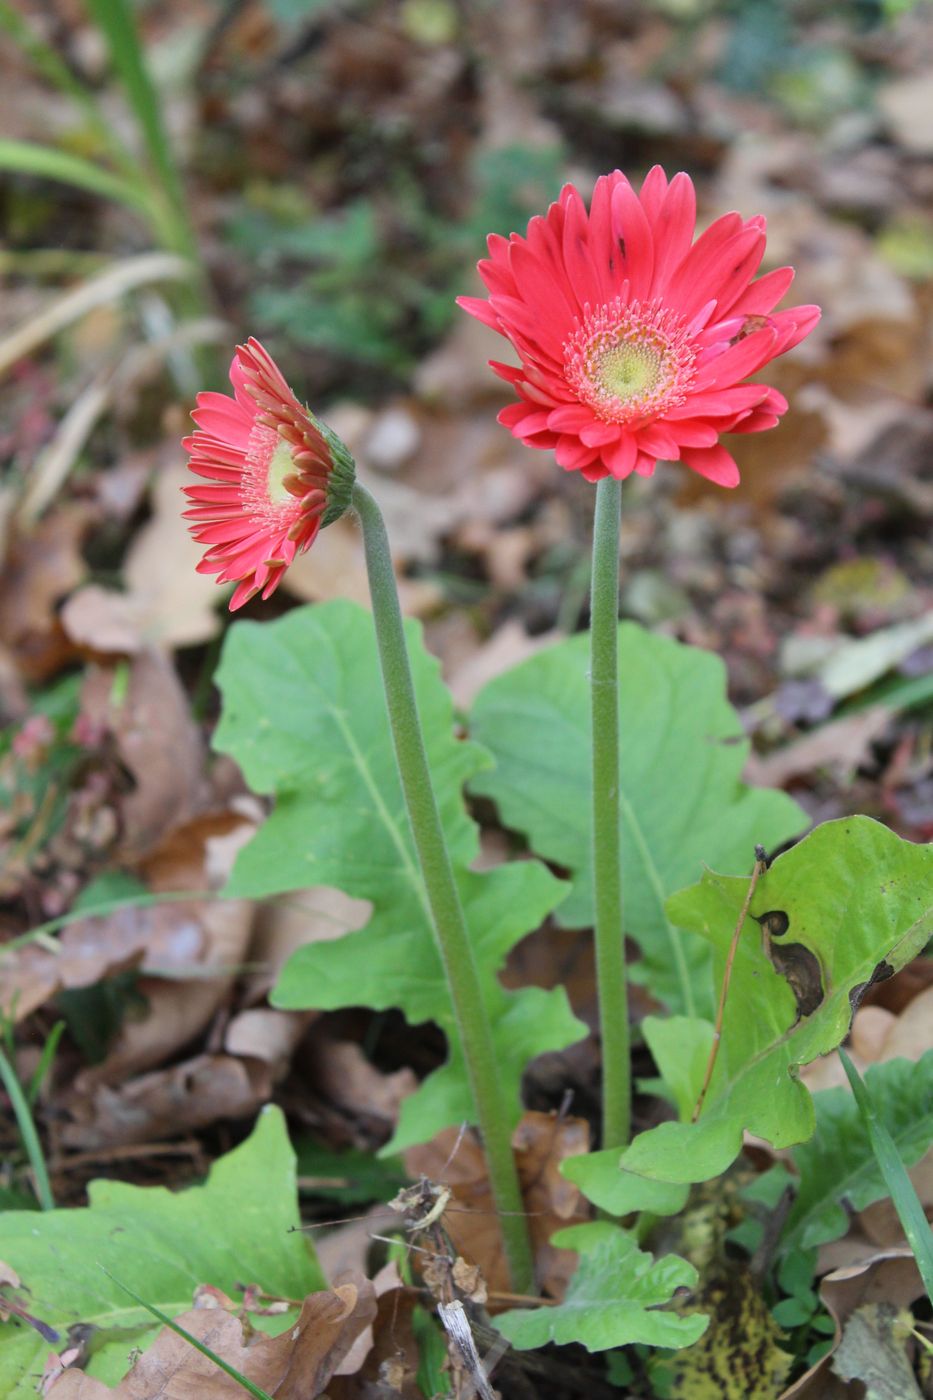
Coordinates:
column 50, row 66
column 32, row 158
column 169, row 1322
column 906, row 1201
column 27, row 1131
column 117, row 22
column 34, row 1088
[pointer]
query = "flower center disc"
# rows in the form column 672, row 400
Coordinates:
column 630, row 362
column 628, row 370
column 269, row 461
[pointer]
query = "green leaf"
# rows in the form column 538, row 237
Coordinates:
column 901, row 1189
column 854, row 902
column 614, row 1297
column 236, row 1229
column 30, row 158
column 682, row 801
column 117, row 22
column 838, row 1165
column 319, row 739
column 602, row 1180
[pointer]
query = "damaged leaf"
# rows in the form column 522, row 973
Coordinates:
column 849, row 905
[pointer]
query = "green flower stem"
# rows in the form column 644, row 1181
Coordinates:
column 450, row 927
column 607, row 873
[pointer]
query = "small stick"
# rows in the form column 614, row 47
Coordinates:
column 759, row 868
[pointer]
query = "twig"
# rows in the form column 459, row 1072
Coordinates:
column 759, row 868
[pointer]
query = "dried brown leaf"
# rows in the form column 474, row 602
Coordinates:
column 889, row 1276
column 296, row 1365
column 157, row 740
column 41, row 568
column 179, row 1099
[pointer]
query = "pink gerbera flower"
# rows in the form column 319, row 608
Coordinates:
column 635, row 342
column 276, row 474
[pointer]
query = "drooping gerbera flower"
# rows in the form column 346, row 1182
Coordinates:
column 276, row 474
column 635, row 342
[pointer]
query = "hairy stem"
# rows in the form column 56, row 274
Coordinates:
column 607, row 873
column 450, row 927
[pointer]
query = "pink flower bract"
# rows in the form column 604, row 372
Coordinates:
column 635, row 341
column 274, row 474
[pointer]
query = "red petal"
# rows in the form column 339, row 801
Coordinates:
column 714, row 463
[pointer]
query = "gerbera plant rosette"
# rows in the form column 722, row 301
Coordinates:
column 636, row 343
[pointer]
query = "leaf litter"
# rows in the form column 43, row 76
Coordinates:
column 491, row 541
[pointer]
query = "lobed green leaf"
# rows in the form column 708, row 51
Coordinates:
column 851, row 903
column 239, row 1228
column 304, row 716
column 682, row 802
column 616, row 1297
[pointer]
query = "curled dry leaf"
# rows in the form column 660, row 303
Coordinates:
column 383, row 1361
column 349, row 1081
column 878, row 1035
column 296, row 1365
column 179, row 1099
column 157, row 740
column 541, row 1142
column 41, row 568
column 841, row 744
column 170, row 938
column 346, row 1249
column 167, row 603
column 184, row 991
column 95, row 948
column 264, row 1034
column 504, row 649
column 287, row 923
column 888, row 1276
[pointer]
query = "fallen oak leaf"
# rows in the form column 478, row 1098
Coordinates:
column 296, row 1365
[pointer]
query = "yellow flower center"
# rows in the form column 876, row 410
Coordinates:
column 281, row 465
column 628, row 370
column 630, row 362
